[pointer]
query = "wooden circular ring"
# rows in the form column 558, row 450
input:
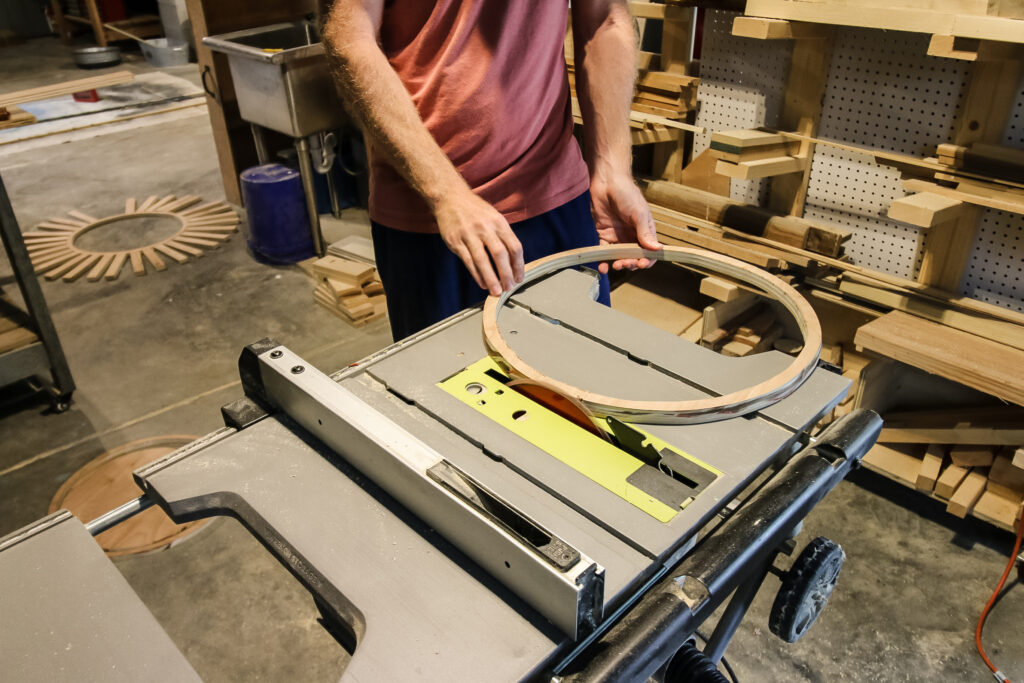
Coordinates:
column 734, row 404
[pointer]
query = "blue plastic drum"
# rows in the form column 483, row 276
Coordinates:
column 278, row 222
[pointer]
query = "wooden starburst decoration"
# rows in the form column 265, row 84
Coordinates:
column 55, row 254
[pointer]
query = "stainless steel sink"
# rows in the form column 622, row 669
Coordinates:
column 281, row 77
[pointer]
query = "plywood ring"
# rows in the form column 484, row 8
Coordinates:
column 106, row 482
column 712, row 409
column 55, row 255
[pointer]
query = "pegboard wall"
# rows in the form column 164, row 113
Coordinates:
column 737, row 91
column 884, row 92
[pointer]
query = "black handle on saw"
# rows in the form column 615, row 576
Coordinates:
column 648, row 635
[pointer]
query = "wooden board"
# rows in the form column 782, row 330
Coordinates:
column 967, row 494
column 931, row 468
column 1004, row 473
column 893, row 18
column 959, row 435
column 45, row 92
column 761, row 168
column 344, row 270
column 898, row 464
column 949, row 480
column 720, row 289
column 976, row 362
column 773, row 29
column 925, row 209
column 659, row 297
column 997, row 509
column 972, row 456
column 17, row 117
column 980, row 323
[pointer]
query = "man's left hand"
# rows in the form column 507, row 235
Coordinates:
column 622, row 215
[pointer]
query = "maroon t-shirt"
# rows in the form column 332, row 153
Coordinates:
column 489, row 80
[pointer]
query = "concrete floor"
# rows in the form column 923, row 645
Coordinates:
column 156, row 355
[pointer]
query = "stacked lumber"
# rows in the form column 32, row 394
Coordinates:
column 12, row 117
column 665, row 94
column 754, row 154
column 984, row 481
column 739, row 323
column 349, row 289
column 970, row 456
column 45, row 92
column 659, row 93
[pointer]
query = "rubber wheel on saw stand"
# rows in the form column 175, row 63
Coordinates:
column 806, row 589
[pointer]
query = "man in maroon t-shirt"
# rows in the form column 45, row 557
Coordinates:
column 466, row 108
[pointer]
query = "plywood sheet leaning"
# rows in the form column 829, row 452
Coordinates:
column 55, row 255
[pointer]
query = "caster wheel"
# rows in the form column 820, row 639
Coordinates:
column 806, row 589
column 60, row 404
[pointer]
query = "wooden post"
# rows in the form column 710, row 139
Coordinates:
column 984, row 114
column 63, row 28
column 801, row 113
column 99, row 32
column 676, row 51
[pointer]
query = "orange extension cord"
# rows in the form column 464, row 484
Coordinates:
column 991, row 601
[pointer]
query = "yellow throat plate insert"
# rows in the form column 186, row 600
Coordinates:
column 638, row 467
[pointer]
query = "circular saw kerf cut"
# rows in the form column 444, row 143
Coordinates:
column 711, row 409
column 202, row 226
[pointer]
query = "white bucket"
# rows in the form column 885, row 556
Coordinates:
column 164, row 52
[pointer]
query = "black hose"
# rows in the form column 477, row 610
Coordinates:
column 690, row 665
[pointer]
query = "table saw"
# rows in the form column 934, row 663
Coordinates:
column 454, row 526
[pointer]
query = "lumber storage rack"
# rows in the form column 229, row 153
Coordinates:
column 38, row 350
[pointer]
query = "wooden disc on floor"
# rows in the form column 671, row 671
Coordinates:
column 106, row 482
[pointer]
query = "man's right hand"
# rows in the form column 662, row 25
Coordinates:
column 478, row 234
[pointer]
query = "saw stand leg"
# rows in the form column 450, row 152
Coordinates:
column 741, row 600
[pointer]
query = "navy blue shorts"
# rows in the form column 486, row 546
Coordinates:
column 426, row 283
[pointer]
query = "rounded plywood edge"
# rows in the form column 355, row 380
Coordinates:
column 711, row 409
column 106, row 482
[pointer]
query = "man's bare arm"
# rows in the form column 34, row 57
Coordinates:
column 605, row 57
column 470, row 226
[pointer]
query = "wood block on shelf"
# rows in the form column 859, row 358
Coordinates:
column 895, row 463
column 1004, row 473
column 761, row 168
column 972, row 456
column 1018, row 458
column 744, row 139
column 720, row 289
column 931, row 467
column 998, row 509
column 949, row 480
column 925, row 209
column 967, row 494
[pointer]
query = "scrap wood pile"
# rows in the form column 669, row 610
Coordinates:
column 970, row 457
column 665, row 94
column 349, row 289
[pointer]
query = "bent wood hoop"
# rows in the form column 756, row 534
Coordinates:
column 712, row 409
